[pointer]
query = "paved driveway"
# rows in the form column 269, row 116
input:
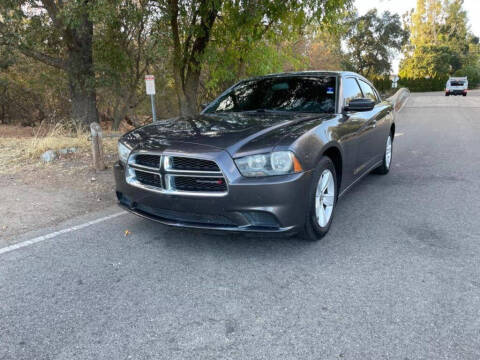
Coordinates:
column 398, row 276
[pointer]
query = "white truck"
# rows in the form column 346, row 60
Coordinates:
column 456, row 86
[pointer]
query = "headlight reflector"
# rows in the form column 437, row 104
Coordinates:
column 281, row 161
column 123, row 152
column 257, row 162
column 275, row 163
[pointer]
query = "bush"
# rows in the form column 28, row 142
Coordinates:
column 383, row 84
column 473, row 74
column 424, row 84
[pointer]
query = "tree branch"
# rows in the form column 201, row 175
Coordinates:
column 201, row 42
column 186, row 45
column 52, row 10
column 46, row 59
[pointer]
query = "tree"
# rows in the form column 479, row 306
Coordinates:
column 371, row 42
column 242, row 23
column 194, row 47
column 325, row 51
column 429, row 61
column 60, row 34
column 125, row 46
column 440, row 43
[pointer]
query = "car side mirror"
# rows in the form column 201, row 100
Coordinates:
column 360, row 105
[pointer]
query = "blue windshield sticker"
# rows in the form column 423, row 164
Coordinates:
column 280, row 86
column 330, row 90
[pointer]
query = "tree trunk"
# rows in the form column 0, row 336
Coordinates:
column 84, row 105
column 192, row 83
column 4, row 104
column 178, row 80
column 187, row 64
column 81, row 75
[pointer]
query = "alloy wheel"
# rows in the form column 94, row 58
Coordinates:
column 325, row 198
column 388, row 152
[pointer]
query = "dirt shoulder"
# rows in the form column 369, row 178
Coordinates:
column 34, row 195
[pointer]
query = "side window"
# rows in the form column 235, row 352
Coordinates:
column 351, row 90
column 368, row 91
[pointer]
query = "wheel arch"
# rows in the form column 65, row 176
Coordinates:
column 392, row 130
column 334, row 153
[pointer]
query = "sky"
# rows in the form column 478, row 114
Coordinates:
column 402, row 6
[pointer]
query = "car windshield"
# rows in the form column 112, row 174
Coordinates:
column 294, row 94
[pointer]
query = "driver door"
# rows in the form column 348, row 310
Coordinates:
column 363, row 123
column 379, row 120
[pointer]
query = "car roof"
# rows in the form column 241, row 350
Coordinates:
column 307, row 73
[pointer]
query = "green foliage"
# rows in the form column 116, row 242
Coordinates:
column 473, row 74
column 229, row 39
column 125, row 49
column 440, row 46
column 257, row 38
column 424, row 84
column 372, row 41
column 430, row 61
column 382, row 84
column 31, row 92
column 134, row 37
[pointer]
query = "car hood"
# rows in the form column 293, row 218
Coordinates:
column 233, row 132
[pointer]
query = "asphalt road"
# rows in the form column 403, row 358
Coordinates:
column 398, row 276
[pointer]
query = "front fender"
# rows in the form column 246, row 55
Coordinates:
column 310, row 141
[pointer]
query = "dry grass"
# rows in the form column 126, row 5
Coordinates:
column 16, row 152
column 57, row 138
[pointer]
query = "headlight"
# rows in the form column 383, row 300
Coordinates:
column 123, row 152
column 276, row 163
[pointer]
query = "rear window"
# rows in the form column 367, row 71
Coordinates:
column 293, row 94
column 457, row 83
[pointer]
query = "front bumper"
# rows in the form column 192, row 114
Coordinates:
column 274, row 204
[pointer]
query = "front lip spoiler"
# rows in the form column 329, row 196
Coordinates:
column 247, row 229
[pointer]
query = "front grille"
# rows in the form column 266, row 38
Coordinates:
column 204, row 184
column 183, row 163
column 148, row 178
column 186, row 217
column 149, row 160
column 175, row 174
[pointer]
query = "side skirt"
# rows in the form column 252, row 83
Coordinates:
column 374, row 166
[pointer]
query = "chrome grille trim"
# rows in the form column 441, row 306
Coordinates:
column 131, row 179
column 168, row 174
column 145, row 169
column 131, row 162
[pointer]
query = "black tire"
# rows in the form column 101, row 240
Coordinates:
column 312, row 230
column 385, row 168
column 446, row 94
column 464, row 94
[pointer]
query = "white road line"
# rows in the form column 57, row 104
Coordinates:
column 57, row 233
column 398, row 134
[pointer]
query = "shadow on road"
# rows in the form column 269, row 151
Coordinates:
column 194, row 243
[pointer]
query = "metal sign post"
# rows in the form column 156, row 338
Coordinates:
column 150, row 86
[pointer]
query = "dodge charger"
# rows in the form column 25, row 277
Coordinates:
column 271, row 154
